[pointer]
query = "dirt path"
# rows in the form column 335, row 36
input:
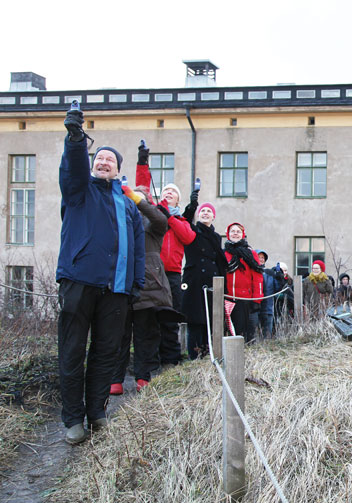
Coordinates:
column 43, row 462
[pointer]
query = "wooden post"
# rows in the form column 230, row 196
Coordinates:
column 298, row 298
column 233, row 429
column 218, row 315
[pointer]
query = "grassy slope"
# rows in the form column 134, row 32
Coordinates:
column 166, row 444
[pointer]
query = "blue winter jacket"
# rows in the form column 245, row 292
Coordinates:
column 102, row 236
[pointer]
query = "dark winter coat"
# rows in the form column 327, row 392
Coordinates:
column 179, row 232
column 273, row 282
column 157, row 288
column 316, row 293
column 204, row 260
column 102, row 236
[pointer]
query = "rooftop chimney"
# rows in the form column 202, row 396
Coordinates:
column 200, row 73
column 27, row 81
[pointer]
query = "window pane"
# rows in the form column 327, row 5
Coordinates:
column 318, row 245
column 168, row 176
column 155, row 161
column 18, row 230
column 169, row 161
column 18, row 172
column 242, row 160
column 319, row 182
column 302, row 244
column 30, row 203
column 17, row 202
column 302, row 260
column 318, row 256
column 304, row 159
column 226, row 182
column 240, row 181
column 319, row 159
column 31, row 168
column 304, row 182
column 227, row 160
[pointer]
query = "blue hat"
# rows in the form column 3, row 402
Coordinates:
column 118, row 156
column 264, row 253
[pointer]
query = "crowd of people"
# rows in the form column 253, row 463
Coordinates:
column 131, row 269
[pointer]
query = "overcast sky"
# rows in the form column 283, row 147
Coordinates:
column 140, row 44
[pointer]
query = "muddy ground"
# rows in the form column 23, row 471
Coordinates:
column 42, row 462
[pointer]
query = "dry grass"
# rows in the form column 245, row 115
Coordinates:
column 166, row 444
column 28, row 378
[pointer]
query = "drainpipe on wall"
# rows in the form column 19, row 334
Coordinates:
column 193, row 166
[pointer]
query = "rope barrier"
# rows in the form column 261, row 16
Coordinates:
column 236, row 405
column 254, row 298
column 28, row 292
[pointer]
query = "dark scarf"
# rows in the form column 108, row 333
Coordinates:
column 215, row 240
column 241, row 250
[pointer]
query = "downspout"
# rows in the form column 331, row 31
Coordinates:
column 194, row 133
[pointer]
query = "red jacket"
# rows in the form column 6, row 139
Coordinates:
column 178, row 235
column 247, row 283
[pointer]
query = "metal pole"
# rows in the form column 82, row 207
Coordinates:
column 233, row 428
column 218, row 315
column 298, row 298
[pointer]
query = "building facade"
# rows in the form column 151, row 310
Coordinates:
column 277, row 159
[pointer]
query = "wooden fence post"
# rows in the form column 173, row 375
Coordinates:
column 218, row 315
column 298, row 298
column 233, row 428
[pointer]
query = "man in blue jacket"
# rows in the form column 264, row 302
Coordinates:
column 100, row 268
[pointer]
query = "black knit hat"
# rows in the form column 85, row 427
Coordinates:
column 118, row 156
column 344, row 275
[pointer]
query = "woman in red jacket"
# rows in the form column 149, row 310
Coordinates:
column 244, row 278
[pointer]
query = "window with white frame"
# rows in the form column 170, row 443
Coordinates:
column 233, row 174
column 162, row 168
column 21, row 279
column 307, row 250
column 311, row 174
column 22, row 199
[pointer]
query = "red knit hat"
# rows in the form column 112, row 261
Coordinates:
column 207, row 205
column 319, row 263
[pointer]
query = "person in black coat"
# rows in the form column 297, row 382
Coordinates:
column 204, row 260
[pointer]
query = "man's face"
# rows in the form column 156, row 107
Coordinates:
column 206, row 216
column 171, row 196
column 235, row 234
column 344, row 281
column 261, row 258
column 105, row 165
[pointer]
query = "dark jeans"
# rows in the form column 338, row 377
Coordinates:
column 103, row 312
column 144, row 327
column 197, row 340
column 170, row 348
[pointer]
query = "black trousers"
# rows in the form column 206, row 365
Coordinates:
column 170, row 348
column 240, row 319
column 141, row 325
column 197, row 340
column 104, row 313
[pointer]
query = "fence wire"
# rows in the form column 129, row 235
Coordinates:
column 234, row 401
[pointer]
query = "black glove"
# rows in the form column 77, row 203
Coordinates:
column 163, row 210
column 73, row 123
column 194, row 198
column 143, row 153
column 135, row 295
column 254, row 307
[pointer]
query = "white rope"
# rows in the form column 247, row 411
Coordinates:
column 238, row 408
column 28, row 292
column 254, row 298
